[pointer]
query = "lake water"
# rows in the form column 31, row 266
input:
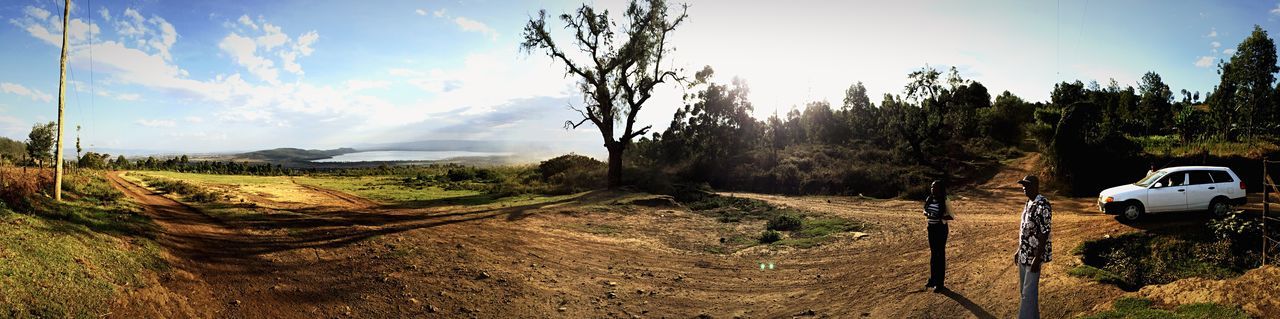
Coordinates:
column 395, row 156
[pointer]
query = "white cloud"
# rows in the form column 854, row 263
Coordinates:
column 106, row 14
column 420, row 12
column 273, row 37
column 35, row 95
column 244, row 19
column 439, row 13
column 195, row 119
column 1213, row 33
column 156, row 123
column 475, row 26
column 128, row 97
column 1229, row 51
column 1215, row 44
column 1276, row 11
column 244, row 51
column 1204, row 62
column 41, row 24
column 359, row 85
column 256, row 53
column 39, row 14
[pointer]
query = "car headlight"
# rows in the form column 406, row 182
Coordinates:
column 1109, row 199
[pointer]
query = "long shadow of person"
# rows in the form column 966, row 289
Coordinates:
column 968, row 304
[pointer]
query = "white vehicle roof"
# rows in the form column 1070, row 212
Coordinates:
column 1189, row 168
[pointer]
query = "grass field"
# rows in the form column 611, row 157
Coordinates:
column 387, row 189
column 72, row 259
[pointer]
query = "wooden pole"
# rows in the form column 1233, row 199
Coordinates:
column 1266, row 208
column 62, row 94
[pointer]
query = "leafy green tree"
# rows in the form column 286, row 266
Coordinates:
column 710, row 133
column 1242, row 102
column 1155, row 105
column 624, row 62
column 861, row 117
column 40, row 143
column 11, row 150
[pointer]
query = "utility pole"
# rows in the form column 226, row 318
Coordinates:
column 62, row 94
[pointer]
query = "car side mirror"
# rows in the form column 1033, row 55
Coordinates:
column 1159, row 185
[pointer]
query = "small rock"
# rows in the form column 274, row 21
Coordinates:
column 611, row 295
column 432, row 309
column 612, row 283
column 483, row 275
column 562, row 309
column 413, row 300
column 640, row 291
column 235, row 302
column 808, row 313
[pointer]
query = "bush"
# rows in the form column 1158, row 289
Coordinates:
column 567, row 163
column 770, row 236
column 19, row 189
column 785, row 221
column 90, row 184
column 1133, row 260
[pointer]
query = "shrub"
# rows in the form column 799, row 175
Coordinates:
column 19, row 189
column 785, row 221
column 770, row 236
column 567, row 163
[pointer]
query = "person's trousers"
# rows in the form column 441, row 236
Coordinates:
column 937, row 253
column 1029, row 289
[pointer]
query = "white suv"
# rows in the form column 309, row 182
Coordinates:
column 1182, row 188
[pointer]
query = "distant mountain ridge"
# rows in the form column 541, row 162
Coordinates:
column 289, row 154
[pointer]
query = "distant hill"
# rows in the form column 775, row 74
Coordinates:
column 293, row 154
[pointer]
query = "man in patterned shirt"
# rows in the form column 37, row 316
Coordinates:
column 1034, row 246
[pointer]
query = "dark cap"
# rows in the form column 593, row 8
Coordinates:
column 1030, row 180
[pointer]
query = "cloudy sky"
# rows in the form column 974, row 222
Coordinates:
column 214, row 76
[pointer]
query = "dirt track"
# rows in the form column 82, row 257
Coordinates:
column 523, row 262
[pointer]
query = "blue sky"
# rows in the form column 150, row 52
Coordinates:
column 215, row 76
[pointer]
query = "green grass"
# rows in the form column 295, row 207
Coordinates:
column 1139, row 308
column 815, row 231
column 1095, row 274
column 388, row 189
column 804, row 229
column 1171, row 145
column 73, row 259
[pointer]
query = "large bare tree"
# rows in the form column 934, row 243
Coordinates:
column 617, row 71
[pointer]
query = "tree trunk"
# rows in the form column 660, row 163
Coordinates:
column 615, row 164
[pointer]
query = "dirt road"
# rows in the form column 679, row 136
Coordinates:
column 535, row 261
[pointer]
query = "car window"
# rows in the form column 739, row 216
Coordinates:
column 1175, row 179
column 1221, row 177
column 1151, row 178
column 1200, row 177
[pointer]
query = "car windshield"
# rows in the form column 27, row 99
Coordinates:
column 1151, row 178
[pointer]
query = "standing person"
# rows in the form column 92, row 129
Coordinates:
column 1035, row 246
column 937, row 213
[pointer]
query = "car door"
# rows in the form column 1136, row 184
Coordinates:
column 1226, row 185
column 1200, row 190
column 1170, row 196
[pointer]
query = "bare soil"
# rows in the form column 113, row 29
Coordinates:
column 590, row 257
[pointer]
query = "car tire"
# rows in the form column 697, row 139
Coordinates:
column 1219, row 207
column 1130, row 212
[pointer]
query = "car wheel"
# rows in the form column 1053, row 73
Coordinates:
column 1131, row 212
column 1219, row 208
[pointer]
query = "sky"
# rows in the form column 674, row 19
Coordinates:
column 228, row 76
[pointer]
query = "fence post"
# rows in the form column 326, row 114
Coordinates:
column 1266, row 209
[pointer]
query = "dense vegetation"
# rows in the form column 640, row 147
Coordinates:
column 1222, row 249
